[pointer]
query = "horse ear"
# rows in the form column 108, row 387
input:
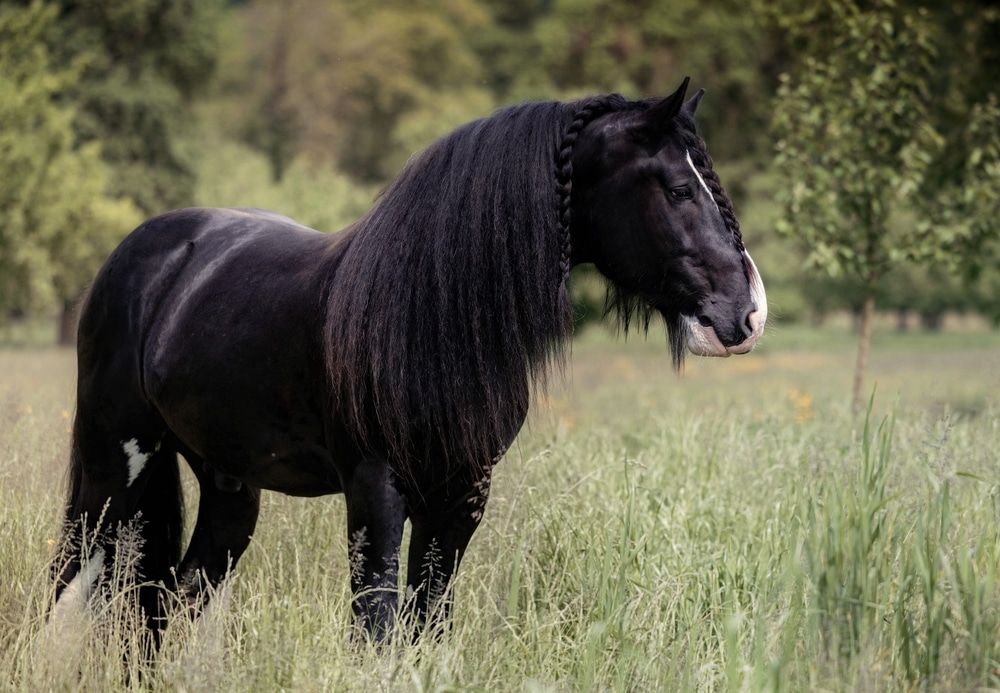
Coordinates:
column 691, row 106
column 656, row 117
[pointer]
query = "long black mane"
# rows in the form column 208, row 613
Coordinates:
column 393, row 362
column 451, row 298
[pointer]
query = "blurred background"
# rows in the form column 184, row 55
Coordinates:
column 859, row 140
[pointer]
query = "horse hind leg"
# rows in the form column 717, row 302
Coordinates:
column 227, row 516
column 123, row 514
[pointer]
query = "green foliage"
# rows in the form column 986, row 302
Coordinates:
column 335, row 81
column 312, row 193
column 959, row 202
column 889, row 140
column 144, row 62
column 643, row 48
column 964, row 214
column 346, row 81
column 854, row 139
column 57, row 221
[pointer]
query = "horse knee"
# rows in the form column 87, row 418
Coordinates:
column 229, row 484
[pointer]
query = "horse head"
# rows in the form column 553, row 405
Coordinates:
column 650, row 213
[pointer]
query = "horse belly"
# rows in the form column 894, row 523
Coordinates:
column 251, row 435
column 276, row 456
column 307, row 471
column 252, row 419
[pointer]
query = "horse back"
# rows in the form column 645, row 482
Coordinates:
column 208, row 260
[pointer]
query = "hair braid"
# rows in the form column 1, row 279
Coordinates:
column 592, row 108
column 702, row 159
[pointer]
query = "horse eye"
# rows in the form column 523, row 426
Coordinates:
column 682, row 193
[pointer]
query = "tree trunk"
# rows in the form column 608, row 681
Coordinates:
column 867, row 316
column 932, row 321
column 68, row 318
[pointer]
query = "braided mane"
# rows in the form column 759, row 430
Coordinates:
column 589, row 110
column 450, row 301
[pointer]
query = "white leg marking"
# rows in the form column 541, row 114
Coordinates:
column 73, row 601
column 136, row 458
column 57, row 654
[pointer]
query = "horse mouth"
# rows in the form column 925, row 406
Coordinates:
column 702, row 340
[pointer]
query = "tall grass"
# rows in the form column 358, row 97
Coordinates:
column 736, row 529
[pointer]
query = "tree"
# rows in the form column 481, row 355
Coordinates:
column 57, row 222
column 960, row 202
column 645, row 48
column 855, row 141
column 146, row 60
column 337, row 81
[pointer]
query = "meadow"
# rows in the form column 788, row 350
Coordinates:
column 735, row 528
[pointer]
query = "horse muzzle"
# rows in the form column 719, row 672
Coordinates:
column 702, row 338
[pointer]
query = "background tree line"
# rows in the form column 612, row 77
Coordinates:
column 859, row 139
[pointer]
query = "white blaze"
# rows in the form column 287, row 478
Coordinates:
column 701, row 180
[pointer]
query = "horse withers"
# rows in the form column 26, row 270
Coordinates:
column 394, row 361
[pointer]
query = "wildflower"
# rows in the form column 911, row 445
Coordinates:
column 802, row 402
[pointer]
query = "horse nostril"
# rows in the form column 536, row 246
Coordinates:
column 748, row 322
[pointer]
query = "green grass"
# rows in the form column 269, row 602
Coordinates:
column 736, row 528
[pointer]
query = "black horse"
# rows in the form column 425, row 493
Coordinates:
column 393, row 361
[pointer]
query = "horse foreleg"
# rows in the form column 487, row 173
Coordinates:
column 441, row 530
column 376, row 512
column 226, row 521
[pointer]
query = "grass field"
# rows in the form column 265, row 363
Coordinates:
column 737, row 528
